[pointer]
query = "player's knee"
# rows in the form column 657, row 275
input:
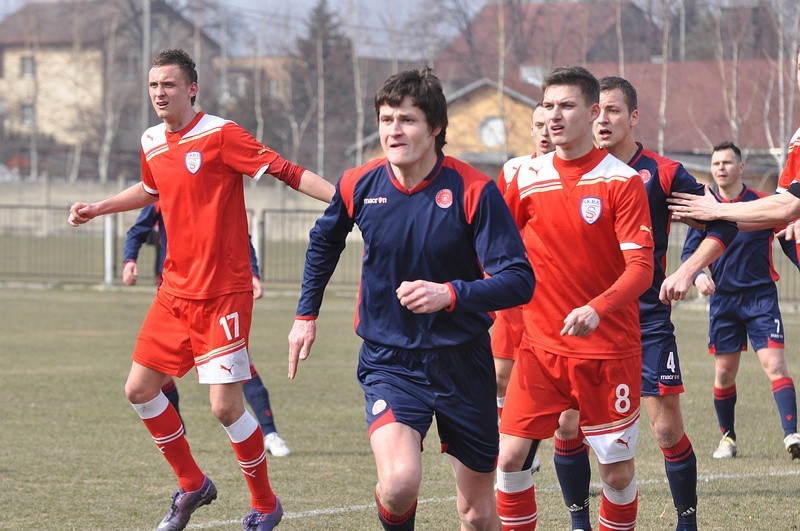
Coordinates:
column 481, row 516
column 139, row 394
column 509, row 461
column 225, row 413
column 776, row 368
column 398, row 492
column 618, row 476
column 667, row 431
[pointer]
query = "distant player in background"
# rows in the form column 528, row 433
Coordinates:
column 662, row 382
column 586, row 228
column 508, row 327
column 440, row 252
column 193, row 164
column 744, row 302
column 149, row 227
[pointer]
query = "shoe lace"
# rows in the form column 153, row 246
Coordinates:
column 174, row 509
column 252, row 520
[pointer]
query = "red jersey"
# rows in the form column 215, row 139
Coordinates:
column 791, row 171
column 578, row 216
column 197, row 174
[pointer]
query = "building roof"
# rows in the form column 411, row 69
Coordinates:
column 696, row 113
column 535, row 35
column 55, row 23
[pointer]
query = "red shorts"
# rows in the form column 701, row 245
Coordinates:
column 209, row 334
column 507, row 333
column 605, row 391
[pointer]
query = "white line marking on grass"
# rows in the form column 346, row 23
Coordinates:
column 449, row 499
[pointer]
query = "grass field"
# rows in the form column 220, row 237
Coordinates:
column 73, row 454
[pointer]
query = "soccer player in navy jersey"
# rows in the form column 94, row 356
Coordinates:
column 661, row 373
column 744, row 302
column 440, row 252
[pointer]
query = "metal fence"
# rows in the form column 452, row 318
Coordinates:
column 36, row 244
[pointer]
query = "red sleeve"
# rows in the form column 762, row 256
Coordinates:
column 637, row 277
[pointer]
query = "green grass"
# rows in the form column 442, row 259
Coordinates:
column 73, row 454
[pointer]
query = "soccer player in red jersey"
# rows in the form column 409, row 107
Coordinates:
column 508, row 327
column 588, row 237
column 193, row 164
column 662, row 381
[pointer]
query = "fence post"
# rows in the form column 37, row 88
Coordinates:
column 108, row 248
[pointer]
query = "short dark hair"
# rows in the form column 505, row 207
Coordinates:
column 425, row 90
column 614, row 82
column 575, row 76
column 722, row 146
column 178, row 57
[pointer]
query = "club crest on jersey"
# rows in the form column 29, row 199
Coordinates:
column 444, row 198
column 591, row 209
column 193, row 160
column 645, row 175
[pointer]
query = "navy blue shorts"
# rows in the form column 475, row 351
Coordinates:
column 734, row 317
column 661, row 368
column 456, row 384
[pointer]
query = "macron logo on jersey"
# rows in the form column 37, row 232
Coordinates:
column 375, row 200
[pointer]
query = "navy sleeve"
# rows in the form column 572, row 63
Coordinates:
column 325, row 246
column 509, row 281
column 139, row 232
column 790, row 250
column 721, row 230
column 253, row 259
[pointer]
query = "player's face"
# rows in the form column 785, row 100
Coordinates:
column 170, row 92
column 540, row 134
column 568, row 116
column 726, row 169
column 615, row 122
column 406, row 138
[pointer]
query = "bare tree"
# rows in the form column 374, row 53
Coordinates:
column 730, row 90
column 620, row 43
column 359, row 86
column 662, row 105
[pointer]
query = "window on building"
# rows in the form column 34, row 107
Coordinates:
column 28, row 114
column 28, row 66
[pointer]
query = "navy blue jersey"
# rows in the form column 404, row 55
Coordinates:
column 452, row 228
column 662, row 177
column 747, row 262
column 149, row 222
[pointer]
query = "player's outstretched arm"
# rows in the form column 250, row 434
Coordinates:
column 301, row 337
column 129, row 199
column 315, row 186
column 774, row 210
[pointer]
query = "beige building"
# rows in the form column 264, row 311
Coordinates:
column 71, row 75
